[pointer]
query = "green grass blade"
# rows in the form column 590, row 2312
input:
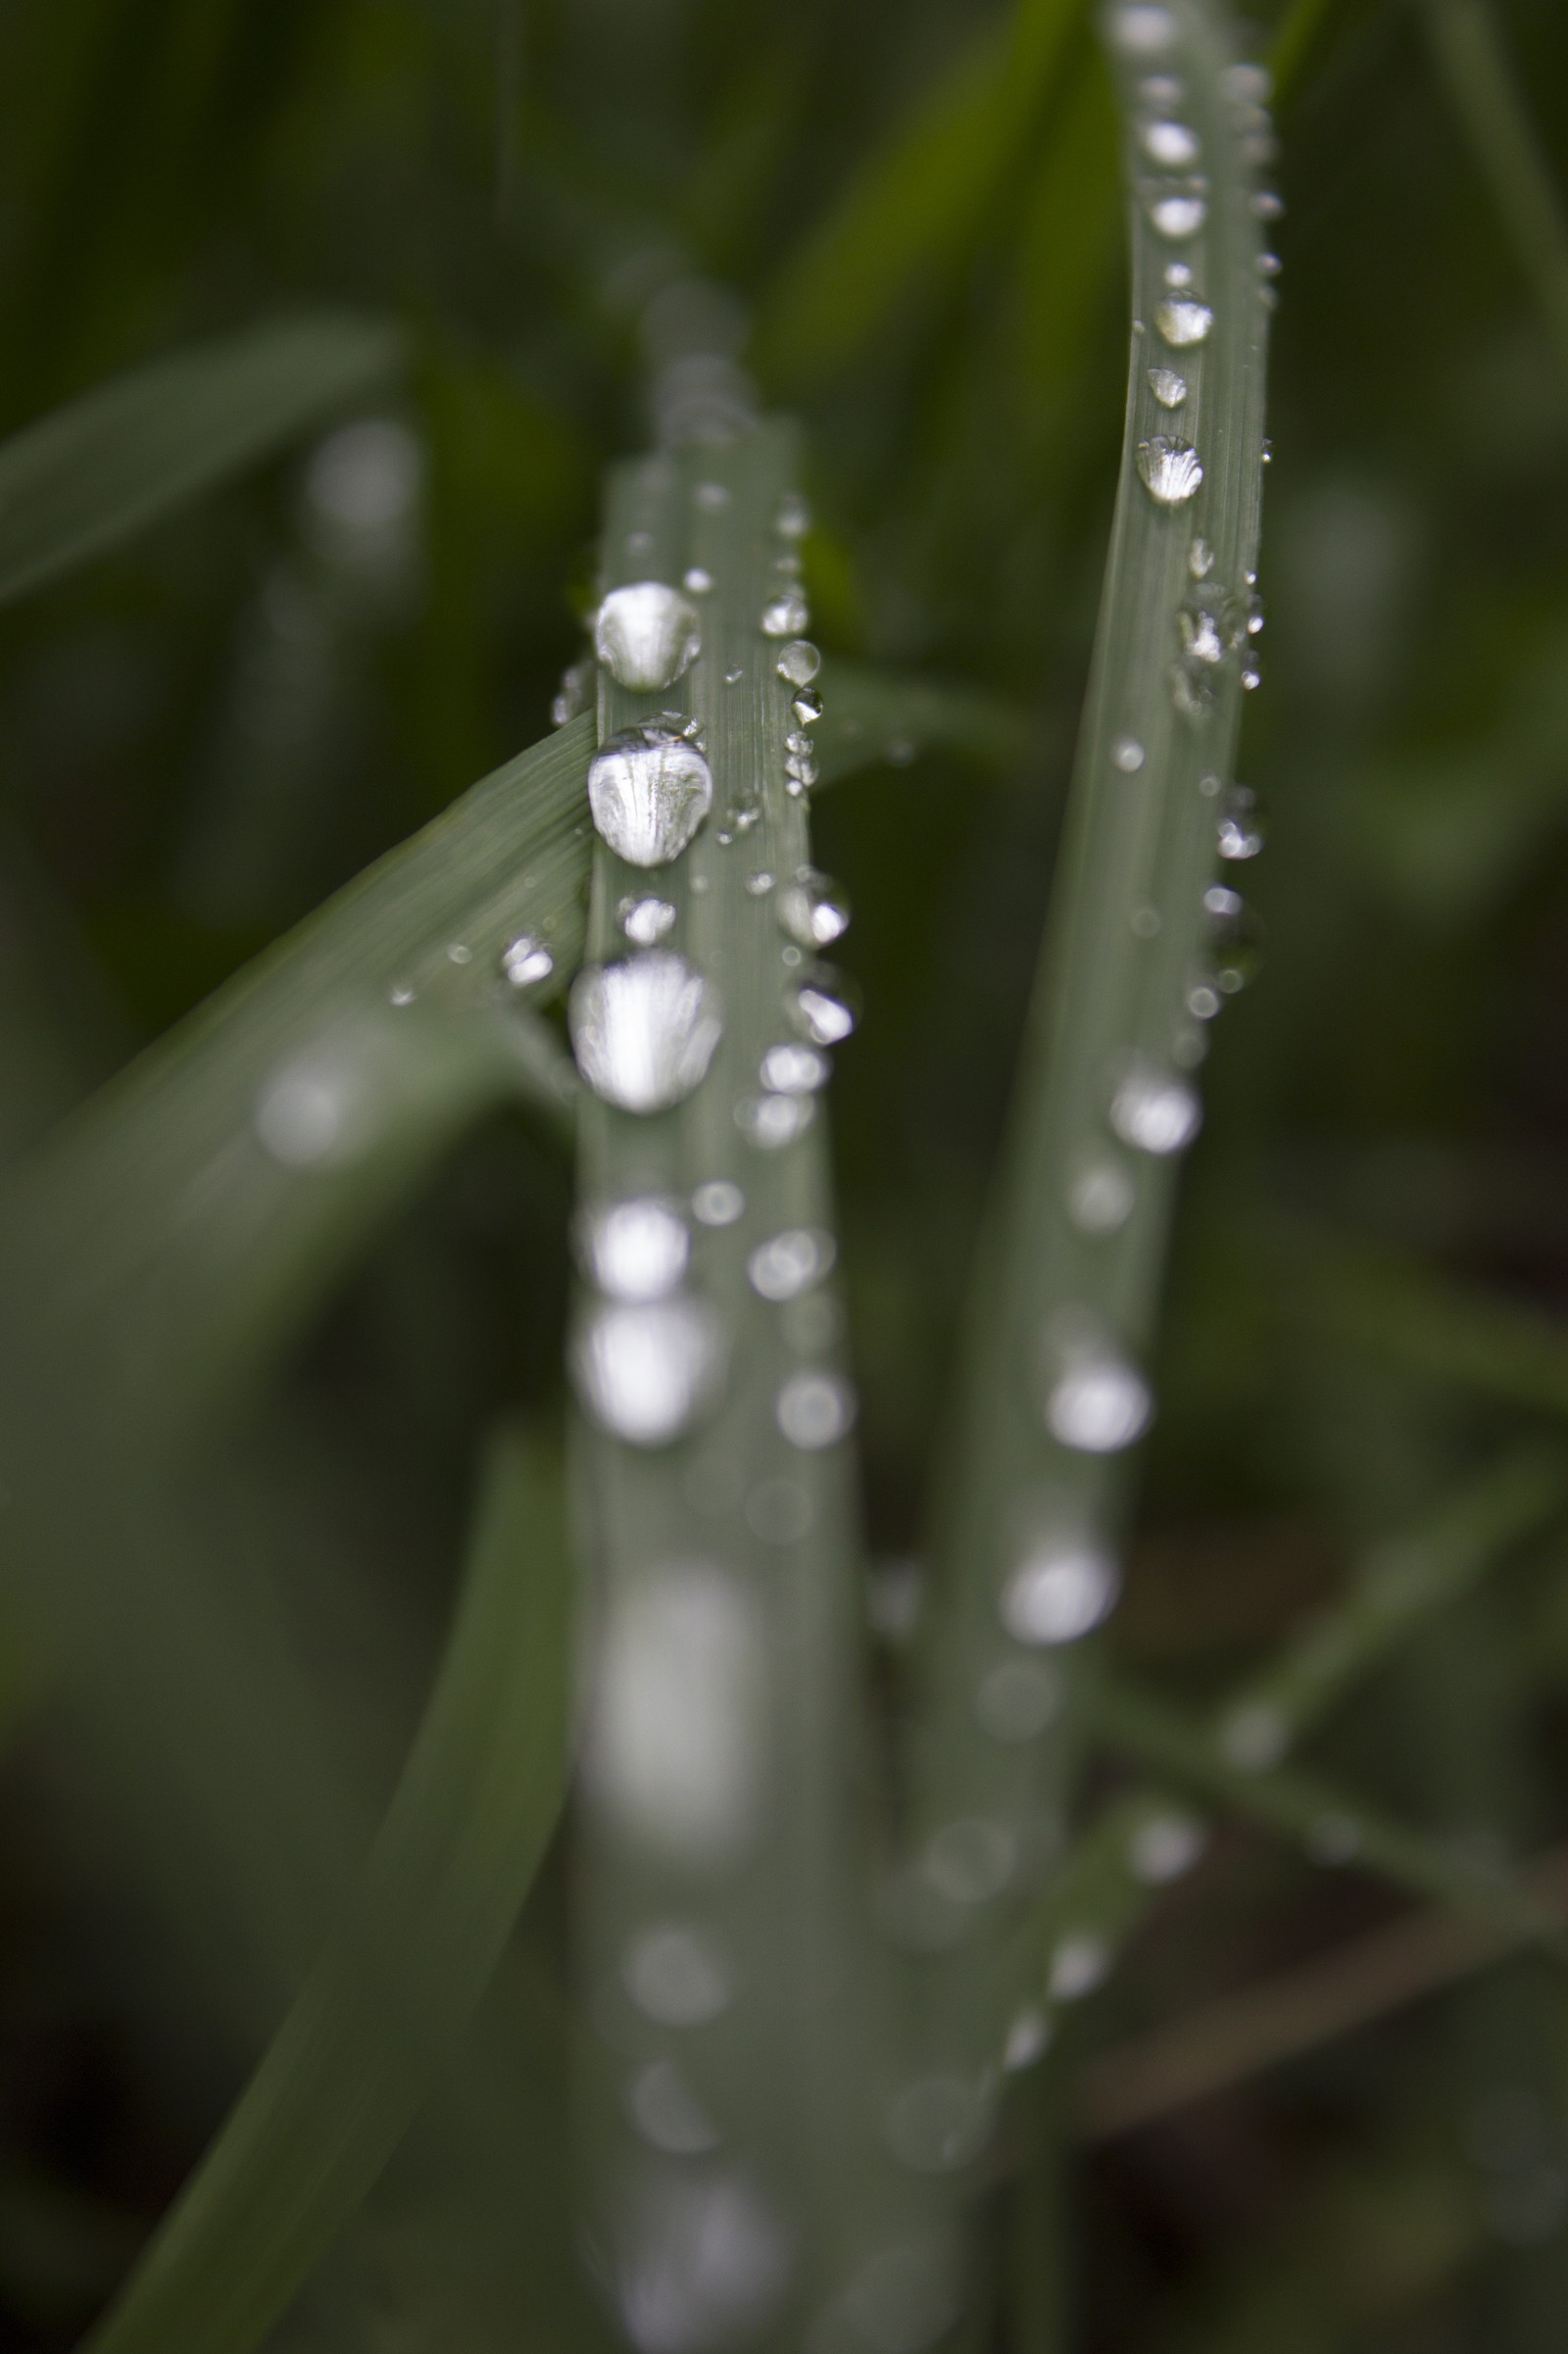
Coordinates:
column 383, row 2009
column 917, row 207
column 1068, row 1287
column 88, row 477
column 874, row 715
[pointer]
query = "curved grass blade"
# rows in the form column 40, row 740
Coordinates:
column 90, row 475
column 1067, row 1291
column 874, row 715
column 384, row 2006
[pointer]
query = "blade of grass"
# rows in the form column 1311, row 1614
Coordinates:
column 87, row 478
column 1067, row 1292
column 874, row 715
column 382, row 2010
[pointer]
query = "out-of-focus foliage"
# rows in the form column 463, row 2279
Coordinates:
column 224, row 719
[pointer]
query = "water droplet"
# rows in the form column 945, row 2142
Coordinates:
column 798, row 663
column 793, row 1071
column 1269, row 265
column 574, row 693
column 785, row 615
column 1163, row 1847
column 807, row 707
column 815, row 1409
column 460, row 953
column 636, row 1249
column 1183, row 322
column 526, row 960
column 646, row 921
column 733, row 676
column 702, row 2264
column 1235, row 938
column 1249, row 84
column 401, row 992
column 1168, row 388
column 1153, row 1111
column 818, row 1006
column 1203, row 638
column 1028, row 2038
column 1178, row 216
column 646, row 635
column 699, row 582
column 1178, row 273
column 1145, row 923
column 791, row 1262
column 676, row 1976
column 1100, row 1198
column 770, row 1122
column 759, row 883
column 1128, row 754
column 1059, row 1591
column 1268, row 204
column 1080, row 1963
column 1203, row 1002
column 712, row 494
column 939, row 2123
column 718, row 1202
column 813, row 909
column 644, row 1030
column 1199, row 559
column 1170, row 144
column 1097, row 1403
column 645, row 1373
column 1254, row 1737
column 971, row 1861
column 1018, row 1699
column 1172, row 470
column 1139, row 28
column 676, row 1728
column 648, row 790
column 793, row 518
column 309, row 1116
column 667, row 2113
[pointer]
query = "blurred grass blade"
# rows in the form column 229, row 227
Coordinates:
column 205, row 1198
column 1470, row 56
column 382, row 2010
column 1332, row 1827
column 917, row 207
column 91, row 474
column 874, row 715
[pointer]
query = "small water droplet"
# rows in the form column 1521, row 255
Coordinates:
column 1178, row 273
column 1204, row 1000
column 1018, row 1699
column 807, row 707
column 1235, row 938
column 574, row 693
column 770, row 1122
column 1269, row 265
column 1176, row 217
column 526, row 960
column 794, row 1070
column 938, row 2124
column 698, row 581
column 1028, row 2038
column 1153, row 1111
column 1199, row 559
column 668, row 2114
column 1128, row 754
column 644, row 1030
column 402, row 993
column 1249, row 84
column 646, row 635
column 790, row 1262
column 1254, row 1737
column 307, row 1115
column 1080, row 1963
column 798, row 663
column 785, row 615
column 718, row 1202
column 1163, row 1847
column 793, row 518
column 815, row 1409
column 734, row 675
column 1172, row 470
column 1203, row 638
column 712, row 494
column 676, row 1976
column 972, row 1860
column 1141, row 27
column 819, row 1006
column 1240, row 830
column 813, row 909
column 635, row 1251
column 1268, row 204
column 800, row 770
column 1183, row 322
column 646, row 1372
column 649, row 791
column 1168, row 388
column 759, row 882
column 1097, row 1403
column 1172, row 145
column 646, row 921
column 1059, row 1591
column 1100, row 1198
column 460, row 953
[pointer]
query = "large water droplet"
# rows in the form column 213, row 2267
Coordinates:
column 1153, row 1111
column 1183, row 322
column 646, row 1373
column 667, row 2113
column 807, row 707
column 646, row 635
column 1168, row 388
column 1178, row 216
column 798, row 663
column 792, row 1070
column 818, row 1006
column 1059, row 1591
column 1097, row 1404
column 649, row 791
column 644, row 1031
column 939, row 2123
column 785, row 615
column 1172, row 471
column 815, row 1409
column 646, row 921
column 635, row 1250
column 790, row 1262
column 813, row 909
column 676, row 1976
column 677, row 1727
column 1172, row 145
